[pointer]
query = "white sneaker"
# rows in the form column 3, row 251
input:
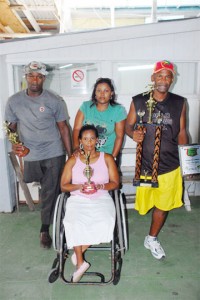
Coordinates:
column 77, row 275
column 155, row 247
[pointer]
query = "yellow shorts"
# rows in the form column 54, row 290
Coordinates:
column 166, row 197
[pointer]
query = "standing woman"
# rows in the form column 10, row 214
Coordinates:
column 106, row 115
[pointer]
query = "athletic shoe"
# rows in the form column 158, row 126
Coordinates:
column 155, row 247
column 80, row 271
column 74, row 259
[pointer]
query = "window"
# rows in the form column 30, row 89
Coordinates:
column 64, row 79
column 134, row 77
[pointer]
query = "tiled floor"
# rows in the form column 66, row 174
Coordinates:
column 25, row 266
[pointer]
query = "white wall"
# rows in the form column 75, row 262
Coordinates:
column 7, row 180
column 178, row 41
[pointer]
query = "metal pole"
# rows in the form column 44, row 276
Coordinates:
column 154, row 11
column 112, row 14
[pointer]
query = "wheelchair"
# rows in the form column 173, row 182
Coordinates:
column 117, row 247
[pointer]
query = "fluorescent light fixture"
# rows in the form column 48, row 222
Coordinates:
column 174, row 17
column 142, row 67
column 65, row 66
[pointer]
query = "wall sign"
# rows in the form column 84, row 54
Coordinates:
column 189, row 159
column 78, row 78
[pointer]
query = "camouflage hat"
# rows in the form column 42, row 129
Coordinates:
column 164, row 65
column 35, row 66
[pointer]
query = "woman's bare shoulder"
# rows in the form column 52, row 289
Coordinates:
column 71, row 161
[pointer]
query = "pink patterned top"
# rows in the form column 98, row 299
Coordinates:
column 100, row 175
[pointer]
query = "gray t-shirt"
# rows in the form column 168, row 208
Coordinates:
column 36, row 119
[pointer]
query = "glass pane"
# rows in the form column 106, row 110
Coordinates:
column 133, row 77
column 64, row 79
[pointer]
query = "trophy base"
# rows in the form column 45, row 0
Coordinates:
column 145, row 182
column 89, row 188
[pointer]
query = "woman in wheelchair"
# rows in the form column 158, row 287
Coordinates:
column 90, row 211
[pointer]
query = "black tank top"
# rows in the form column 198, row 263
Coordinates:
column 170, row 109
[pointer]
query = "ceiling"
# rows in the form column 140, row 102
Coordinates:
column 27, row 18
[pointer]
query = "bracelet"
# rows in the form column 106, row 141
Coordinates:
column 102, row 186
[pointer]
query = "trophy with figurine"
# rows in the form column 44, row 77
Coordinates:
column 89, row 187
column 13, row 137
column 150, row 105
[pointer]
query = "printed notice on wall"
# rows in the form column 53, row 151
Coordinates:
column 78, row 78
column 189, row 159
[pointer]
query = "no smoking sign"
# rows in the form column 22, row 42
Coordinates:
column 78, row 75
column 78, row 78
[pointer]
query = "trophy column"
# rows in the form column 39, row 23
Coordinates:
column 138, row 165
column 153, row 182
column 156, row 156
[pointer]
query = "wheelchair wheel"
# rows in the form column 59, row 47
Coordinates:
column 117, row 261
column 54, row 273
column 124, row 220
column 116, row 277
column 121, row 222
column 57, row 221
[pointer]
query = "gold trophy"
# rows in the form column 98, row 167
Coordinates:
column 141, row 127
column 151, row 103
column 13, row 137
column 89, row 187
column 137, row 181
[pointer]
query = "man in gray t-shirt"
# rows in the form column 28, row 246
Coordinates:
column 40, row 119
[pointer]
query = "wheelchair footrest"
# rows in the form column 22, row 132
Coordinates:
column 95, row 274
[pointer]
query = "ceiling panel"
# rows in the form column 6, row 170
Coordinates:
column 26, row 18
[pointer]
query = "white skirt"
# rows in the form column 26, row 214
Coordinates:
column 89, row 221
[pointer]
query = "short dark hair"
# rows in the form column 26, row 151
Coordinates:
column 111, row 85
column 88, row 127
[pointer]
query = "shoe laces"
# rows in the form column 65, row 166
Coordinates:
column 156, row 244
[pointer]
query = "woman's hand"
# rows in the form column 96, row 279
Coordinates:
column 81, row 187
column 77, row 152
